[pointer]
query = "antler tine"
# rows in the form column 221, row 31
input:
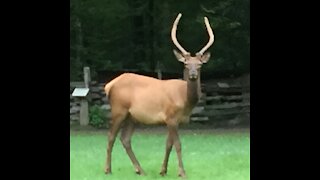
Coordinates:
column 174, row 37
column 211, row 36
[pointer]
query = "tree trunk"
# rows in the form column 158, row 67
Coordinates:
column 79, row 45
column 150, row 36
column 137, row 31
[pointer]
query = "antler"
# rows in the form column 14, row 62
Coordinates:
column 206, row 21
column 173, row 35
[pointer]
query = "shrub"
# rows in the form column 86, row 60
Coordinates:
column 97, row 117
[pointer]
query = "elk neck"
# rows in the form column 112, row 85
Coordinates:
column 193, row 90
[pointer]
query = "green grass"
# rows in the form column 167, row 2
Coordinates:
column 222, row 155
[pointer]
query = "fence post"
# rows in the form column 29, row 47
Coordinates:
column 84, row 112
column 87, row 77
column 84, row 107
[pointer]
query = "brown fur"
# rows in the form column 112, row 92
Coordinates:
column 140, row 99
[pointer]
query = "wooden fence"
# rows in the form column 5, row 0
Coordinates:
column 224, row 102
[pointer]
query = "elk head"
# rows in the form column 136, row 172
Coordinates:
column 192, row 63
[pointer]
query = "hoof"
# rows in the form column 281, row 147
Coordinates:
column 163, row 173
column 140, row 172
column 182, row 175
column 107, row 171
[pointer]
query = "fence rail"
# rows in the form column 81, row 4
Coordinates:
column 221, row 101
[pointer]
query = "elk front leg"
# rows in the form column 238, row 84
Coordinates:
column 177, row 145
column 167, row 154
column 126, row 135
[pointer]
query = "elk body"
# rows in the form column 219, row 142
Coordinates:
column 140, row 99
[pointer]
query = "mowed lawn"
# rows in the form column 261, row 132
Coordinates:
column 209, row 154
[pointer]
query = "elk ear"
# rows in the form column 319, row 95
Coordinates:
column 179, row 56
column 205, row 58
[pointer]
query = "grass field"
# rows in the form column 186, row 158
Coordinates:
column 209, row 154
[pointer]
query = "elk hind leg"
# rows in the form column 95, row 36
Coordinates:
column 126, row 135
column 116, row 121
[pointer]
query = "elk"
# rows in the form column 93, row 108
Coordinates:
column 141, row 99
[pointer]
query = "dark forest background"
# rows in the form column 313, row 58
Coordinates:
column 134, row 35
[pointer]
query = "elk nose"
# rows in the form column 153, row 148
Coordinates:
column 193, row 74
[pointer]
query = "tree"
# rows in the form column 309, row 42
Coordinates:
column 135, row 35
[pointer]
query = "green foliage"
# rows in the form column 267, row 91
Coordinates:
column 97, row 117
column 135, row 34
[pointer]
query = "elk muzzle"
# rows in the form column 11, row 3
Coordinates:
column 193, row 73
